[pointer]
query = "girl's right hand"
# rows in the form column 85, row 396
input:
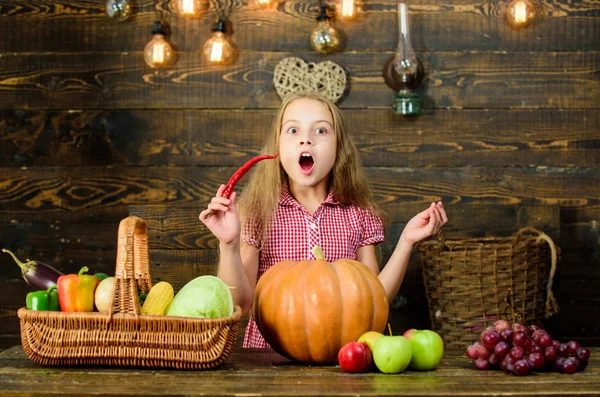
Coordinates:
column 224, row 223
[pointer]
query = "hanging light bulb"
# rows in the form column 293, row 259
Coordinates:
column 118, row 10
column 521, row 13
column 217, row 49
column 348, row 9
column 404, row 71
column 190, row 8
column 263, row 3
column 158, row 52
column 324, row 38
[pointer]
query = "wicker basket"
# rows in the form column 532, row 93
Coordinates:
column 124, row 337
column 471, row 283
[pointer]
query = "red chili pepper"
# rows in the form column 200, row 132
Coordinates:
column 240, row 173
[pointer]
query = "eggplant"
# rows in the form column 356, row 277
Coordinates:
column 37, row 274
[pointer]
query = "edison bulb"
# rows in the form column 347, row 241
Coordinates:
column 217, row 49
column 119, row 10
column 324, row 38
column 521, row 13
column 191, row 8
column 158, row 52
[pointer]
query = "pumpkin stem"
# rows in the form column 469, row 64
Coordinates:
column 318, row 252
column 389, row 329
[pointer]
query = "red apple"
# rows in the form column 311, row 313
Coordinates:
column 355, row 357
column 408, row 333
column 427, row 349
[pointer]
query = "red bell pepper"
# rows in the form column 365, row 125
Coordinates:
column 76, row 291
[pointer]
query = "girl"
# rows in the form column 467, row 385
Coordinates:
column 315, row 193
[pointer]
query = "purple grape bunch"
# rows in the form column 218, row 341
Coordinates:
column 520, row 350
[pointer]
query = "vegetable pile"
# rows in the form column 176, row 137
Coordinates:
column 205, row 296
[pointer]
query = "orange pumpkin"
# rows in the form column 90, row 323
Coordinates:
column 307, row 310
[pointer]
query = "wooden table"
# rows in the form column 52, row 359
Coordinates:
column 258, row 373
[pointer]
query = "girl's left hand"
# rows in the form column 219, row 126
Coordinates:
column 425, row 224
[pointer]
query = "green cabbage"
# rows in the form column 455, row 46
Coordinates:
column 204, row 296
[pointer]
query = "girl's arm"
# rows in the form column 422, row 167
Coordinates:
column 392, row 274
column 366, row 255
column 238, row 268
column 238, row 263
column 423, row 225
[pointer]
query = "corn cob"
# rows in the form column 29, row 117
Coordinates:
column 158, row 299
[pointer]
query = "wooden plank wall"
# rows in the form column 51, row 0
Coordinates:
column 87, row 129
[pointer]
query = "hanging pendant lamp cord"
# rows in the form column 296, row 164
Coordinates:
column 222, row 8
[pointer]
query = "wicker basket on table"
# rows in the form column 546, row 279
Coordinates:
column 471, row 283
column 123, row 336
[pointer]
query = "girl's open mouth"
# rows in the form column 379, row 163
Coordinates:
column 307, row 163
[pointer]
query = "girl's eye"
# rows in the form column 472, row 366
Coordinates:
column 321, row 131
column 292, row 130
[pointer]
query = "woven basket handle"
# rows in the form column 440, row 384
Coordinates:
column 551, row 303
column 441, row 241
column 132, row 270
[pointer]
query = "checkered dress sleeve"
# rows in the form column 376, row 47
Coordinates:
column 372, row 229
column 250, row 234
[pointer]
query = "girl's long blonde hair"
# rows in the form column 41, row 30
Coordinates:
column 348, row 181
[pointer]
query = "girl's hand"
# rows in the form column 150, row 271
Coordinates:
column 224, row 223
column 425, row 224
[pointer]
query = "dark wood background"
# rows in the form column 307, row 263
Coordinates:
column 509, row 135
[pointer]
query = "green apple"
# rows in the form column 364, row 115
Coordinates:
column 392, row 354
column 427, row 349
column 370, row 338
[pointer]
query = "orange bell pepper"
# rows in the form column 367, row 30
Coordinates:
column 76, row 291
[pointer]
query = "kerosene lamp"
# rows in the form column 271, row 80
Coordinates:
column 404, row 72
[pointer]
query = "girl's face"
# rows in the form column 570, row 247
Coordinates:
column 307, row 142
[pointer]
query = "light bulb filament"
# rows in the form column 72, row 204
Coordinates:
column 216, row 54
column 520, row 12
column 187, row 7
column 158, row 53
column 347, row 8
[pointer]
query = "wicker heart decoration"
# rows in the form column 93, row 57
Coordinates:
column 295, row 75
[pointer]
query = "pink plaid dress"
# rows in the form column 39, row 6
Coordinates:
column 338, row 229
